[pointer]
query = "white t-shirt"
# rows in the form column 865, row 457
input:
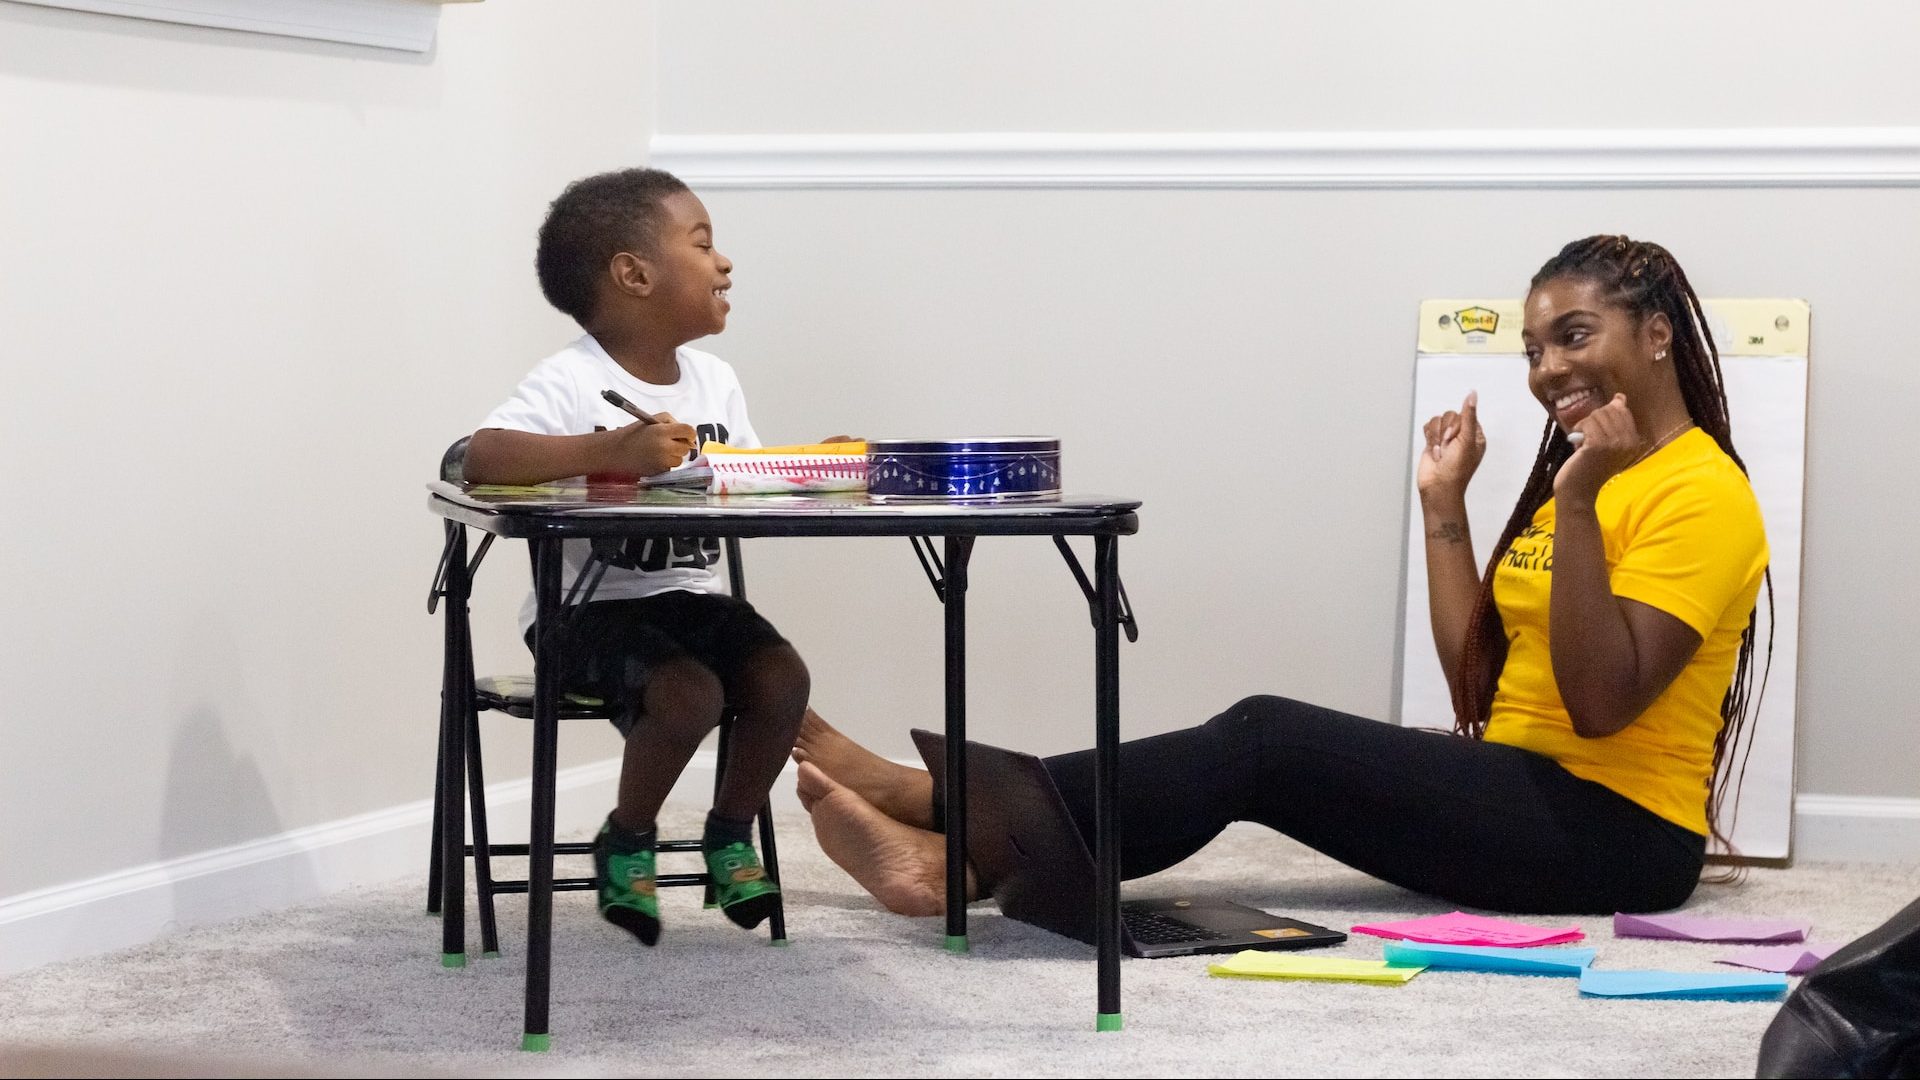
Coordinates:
column 562, row 397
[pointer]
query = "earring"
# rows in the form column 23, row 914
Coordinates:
column 1661, row 355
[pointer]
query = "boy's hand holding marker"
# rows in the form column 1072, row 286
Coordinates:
column 655, row 444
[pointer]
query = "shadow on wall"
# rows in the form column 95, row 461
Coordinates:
column 217, row 798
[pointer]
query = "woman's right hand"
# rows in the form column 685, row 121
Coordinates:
column 1455, row 445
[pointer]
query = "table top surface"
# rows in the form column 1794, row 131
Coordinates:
column 576, row 508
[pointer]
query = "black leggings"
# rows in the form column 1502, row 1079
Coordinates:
column 1476, row 823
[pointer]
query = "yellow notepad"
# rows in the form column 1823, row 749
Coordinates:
column 837, row 448
column 1256, row 964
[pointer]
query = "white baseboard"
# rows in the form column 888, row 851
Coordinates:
column 1854, row 828
column 136, row 906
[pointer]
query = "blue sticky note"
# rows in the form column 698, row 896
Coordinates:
column 1683, row 985
column 1489, row 958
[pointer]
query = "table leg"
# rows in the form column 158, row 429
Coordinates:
column 452, row 783
column 1106, row 778
column 435, row 887
column 954, row 595
column 546, row 732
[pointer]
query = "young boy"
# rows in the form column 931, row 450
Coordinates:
column 630, row 256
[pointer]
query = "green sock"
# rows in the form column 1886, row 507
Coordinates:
column 740, row 884
column 625, row 879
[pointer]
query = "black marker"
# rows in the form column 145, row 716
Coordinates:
column 619, row 402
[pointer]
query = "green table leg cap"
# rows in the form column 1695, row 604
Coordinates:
column 491, row 954
column 453, row 959
column 957, row 943
column 537, row 1044
column 1106, row 1022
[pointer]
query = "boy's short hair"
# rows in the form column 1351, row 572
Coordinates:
column 594, row 219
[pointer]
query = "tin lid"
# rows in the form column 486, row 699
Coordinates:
column 979, row 445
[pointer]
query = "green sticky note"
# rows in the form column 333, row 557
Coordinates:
column 1257, row 964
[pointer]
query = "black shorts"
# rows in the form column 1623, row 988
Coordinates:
column 610, row 648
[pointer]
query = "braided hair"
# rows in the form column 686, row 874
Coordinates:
column 1644, row 279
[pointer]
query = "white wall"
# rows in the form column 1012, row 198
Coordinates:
column 252, row 288
column 1244, row 65
column 1178, row 338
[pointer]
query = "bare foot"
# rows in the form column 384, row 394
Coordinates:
column 902, row 793
column 813, row 784
column 903, row 867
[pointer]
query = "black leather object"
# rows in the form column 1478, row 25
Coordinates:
column 1857, row 1014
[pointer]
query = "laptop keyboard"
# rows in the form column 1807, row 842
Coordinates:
column 1153, row 928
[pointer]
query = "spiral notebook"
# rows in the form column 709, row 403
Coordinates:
column 799, row 469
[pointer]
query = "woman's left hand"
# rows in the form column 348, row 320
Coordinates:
column 1609, row 442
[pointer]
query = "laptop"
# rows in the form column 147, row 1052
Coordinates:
column 1023, row 843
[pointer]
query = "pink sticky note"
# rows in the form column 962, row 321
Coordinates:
column 1460, row 928
column 1787, row 959
column 1701, row 928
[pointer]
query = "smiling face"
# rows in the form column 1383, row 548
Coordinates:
column 693, row 277
column 1582, row 350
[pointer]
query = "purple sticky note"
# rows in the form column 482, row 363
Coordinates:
column 1701, row 928
column 1460, row 928
column 1786, row 959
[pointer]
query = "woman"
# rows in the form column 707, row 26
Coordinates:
column 1599, row 667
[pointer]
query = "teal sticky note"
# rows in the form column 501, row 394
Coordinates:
column 1489, row 958
column 1683, row 985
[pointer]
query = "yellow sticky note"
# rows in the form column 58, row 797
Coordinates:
column 1256, row 964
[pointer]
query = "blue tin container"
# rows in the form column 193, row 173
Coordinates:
column 962, row 470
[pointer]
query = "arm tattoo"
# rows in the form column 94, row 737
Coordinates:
column 1448, row 532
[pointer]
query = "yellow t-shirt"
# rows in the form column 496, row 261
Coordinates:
column 1683, row 534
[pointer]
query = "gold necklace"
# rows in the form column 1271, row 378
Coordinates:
column 1663, row 440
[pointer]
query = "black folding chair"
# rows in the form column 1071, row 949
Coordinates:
column 513, row 695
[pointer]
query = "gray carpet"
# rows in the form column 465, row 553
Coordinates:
column 353, row 985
